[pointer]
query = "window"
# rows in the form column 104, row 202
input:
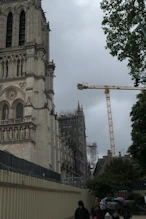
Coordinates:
column 19, row 111
column 9, row 30
column 7, row 69
column 18, row 67
column 22, row 29
column 5, row 112
column 21, row 68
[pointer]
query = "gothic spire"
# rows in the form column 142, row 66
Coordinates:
column 79, row 108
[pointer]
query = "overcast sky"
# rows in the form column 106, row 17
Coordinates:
column 77, row 45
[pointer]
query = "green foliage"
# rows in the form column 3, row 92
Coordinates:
column 144, row 178
column 138, row 134
column 105, row 184
column 120, row 16
column 138, row 198
column 123, row 168
column 118, row 175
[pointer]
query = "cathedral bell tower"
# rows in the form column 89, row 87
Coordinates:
column 26, row 81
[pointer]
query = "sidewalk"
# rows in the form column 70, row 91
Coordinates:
column 139, row 217
column 135, row 217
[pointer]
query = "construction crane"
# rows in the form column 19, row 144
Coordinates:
column 107, row 89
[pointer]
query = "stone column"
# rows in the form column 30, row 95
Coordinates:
column 15, row 134
column 5, row 135
column 10, row 134
column 1, row 68
column 24, row 67
column 11, row 109
column 20, row 63
column 15, row 40
column 2, row 135
column 31, row 132
column 4, row 74
column 15, row 67
column 3, row 25
column 12, row 67
column 21, row 133
column 27, row 133
column 30, row 61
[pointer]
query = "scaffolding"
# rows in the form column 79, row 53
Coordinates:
column 72, row 129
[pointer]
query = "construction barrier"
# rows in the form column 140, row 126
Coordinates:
column 25, row 197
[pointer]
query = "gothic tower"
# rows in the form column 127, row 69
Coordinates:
column 26, row 83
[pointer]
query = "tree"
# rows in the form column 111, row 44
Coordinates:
column 138, row 134
column 118, row 175
column 120, row 16
column 125, row 169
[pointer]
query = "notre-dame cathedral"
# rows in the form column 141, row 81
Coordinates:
column 28, row 124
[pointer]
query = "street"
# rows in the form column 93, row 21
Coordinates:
column 139, row 217
column 136, row 217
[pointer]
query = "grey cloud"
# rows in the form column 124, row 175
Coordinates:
column 77, row 46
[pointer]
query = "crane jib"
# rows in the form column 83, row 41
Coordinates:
column 107, row 88
column 85, row 86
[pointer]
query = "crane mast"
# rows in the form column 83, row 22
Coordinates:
column 107, row 89
column 110, row 121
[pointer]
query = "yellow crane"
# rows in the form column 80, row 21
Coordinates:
column 107, row 89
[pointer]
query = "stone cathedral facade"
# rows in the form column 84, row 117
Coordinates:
column 28, row 124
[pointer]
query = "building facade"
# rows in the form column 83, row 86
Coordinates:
column 72, row 128
column 29, row 127
column 102, row 162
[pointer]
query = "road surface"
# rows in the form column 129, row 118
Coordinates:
column 135, row 217
column 139, row 217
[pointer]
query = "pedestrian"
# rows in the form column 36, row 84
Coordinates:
column 81, row 212
column 96, row 211
column 145, row 198
column 127, row 214
column 108, row 216
column 115, row 214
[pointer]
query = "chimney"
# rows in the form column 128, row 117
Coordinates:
column 120, row 154
column 109, row 153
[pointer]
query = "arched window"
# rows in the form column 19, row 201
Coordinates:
column 5, row 112
column 22, row 68
column 19, row 111
column 9, row 30
column 18, row 67
column 7, row 69
column 22, row 29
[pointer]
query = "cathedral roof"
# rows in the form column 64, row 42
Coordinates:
column 79, row 108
